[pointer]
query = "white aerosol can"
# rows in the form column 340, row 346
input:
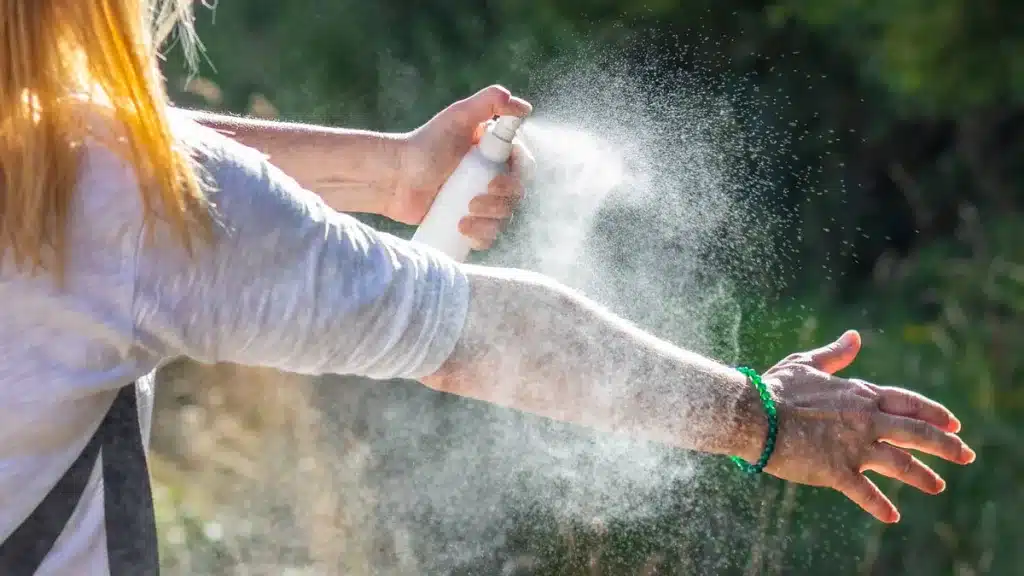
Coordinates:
column 488, row 158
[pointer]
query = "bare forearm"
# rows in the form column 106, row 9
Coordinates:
column 315, row 156
column 535, row 346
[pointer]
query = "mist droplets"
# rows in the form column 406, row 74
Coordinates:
column 651, row 196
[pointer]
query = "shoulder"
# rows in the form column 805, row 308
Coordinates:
column 107, row 188
column 239, row 181
column 222, row 162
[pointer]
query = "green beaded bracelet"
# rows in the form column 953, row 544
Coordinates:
column 773, row 424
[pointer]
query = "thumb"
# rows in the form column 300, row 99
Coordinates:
column 490, row 102
column 837, row 355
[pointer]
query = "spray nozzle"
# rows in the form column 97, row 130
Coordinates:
column 505, row 127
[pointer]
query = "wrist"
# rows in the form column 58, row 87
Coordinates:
column 749, row 422
column 394, row 149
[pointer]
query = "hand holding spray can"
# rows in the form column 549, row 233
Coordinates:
column 440, row 227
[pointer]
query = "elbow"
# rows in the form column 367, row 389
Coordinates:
column 438, row 381
column 510, row 314
column 453, row 377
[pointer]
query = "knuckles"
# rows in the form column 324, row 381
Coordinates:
column 793, row 358
column 788, row 370
column 864, row 389
column 497, row 92
column 905, row 462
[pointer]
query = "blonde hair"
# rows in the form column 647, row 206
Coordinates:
column 53, row 54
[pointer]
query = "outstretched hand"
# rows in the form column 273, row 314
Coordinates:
column 432, row 151
column 832, row 429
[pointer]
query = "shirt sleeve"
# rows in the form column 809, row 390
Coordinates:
column 291, row 284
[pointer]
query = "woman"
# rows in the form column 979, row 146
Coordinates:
column 132, row 234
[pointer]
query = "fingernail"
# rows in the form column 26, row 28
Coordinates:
column 971, row 454
column 941, row 486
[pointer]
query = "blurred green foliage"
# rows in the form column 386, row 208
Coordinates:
column 913, row 117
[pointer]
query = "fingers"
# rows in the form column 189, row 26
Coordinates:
column 864, row 493
column 505, row 185
column 503, row 195
column 900, row 465
column 837, row 355
column 923, row 437
column 492, row 101
column 493, row 205
column 489, row 212
column 901, row 402
column 482, row 232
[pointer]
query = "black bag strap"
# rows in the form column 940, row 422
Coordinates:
column 127, row 495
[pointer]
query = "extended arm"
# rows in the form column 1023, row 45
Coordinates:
column 534, row 345
column 531, row 344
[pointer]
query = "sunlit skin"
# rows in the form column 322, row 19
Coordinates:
column 597, row 370
column 880, row 426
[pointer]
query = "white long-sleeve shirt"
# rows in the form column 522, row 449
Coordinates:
column 288, row 283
